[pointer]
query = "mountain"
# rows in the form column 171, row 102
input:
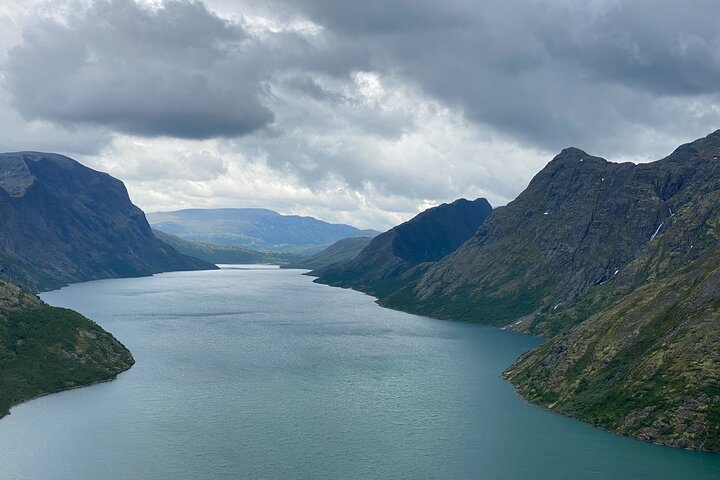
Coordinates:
column 642, row 354
column 578, row 223
column 64, row 222
column 618, row 265
column 218, row 254
column 404, row 251
column 258, row 228
column 46, row 349
column 339, row 252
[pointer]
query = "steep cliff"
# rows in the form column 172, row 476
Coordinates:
column 63, row 222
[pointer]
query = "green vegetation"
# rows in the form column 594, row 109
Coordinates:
column 45, row 349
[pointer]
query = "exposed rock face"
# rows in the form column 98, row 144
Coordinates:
column 409, row 248
column 46, row 349
column 63, row 222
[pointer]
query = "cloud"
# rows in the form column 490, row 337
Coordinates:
column 352, row 110
column 177, row 70
column 589, row 73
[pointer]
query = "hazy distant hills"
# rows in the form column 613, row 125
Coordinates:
column 229, row 254
column 619, row 265
column 339, row 252
column 64, row 222
column 256, row 228
column 428, row 237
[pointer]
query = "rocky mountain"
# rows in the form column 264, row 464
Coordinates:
column 64, row 222
column 401, row 253
column 618, row 265
column 257, row 228
column 340, row 252
column 228, row 254
column 46, row 349
column 580, row 221
column 640, row 353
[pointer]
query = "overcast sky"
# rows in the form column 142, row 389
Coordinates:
column 363, row 112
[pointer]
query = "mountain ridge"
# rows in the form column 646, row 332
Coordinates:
column 256, row 228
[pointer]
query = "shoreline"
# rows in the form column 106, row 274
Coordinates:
column 66, row 389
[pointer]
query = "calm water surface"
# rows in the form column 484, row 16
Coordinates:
column 261, row 374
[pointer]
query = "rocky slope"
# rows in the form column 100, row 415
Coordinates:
column 643, row 358
column 46, row 349
column 63, row 222
column 403, row 252
column 340, row 252
column 228, row 254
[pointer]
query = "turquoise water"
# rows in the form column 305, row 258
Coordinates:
column 262, row 374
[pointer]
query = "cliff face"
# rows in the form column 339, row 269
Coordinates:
column 63, row 222
column 392, row 257
column 45, row 349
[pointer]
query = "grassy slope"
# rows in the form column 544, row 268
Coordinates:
column 45, row 349
column 647, row 366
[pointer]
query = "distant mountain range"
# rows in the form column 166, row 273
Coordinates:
column 226, row 254
column 618, row 264
column 256, row 228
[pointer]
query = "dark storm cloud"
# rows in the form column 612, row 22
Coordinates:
column 178, row 70
column 550, row 73
column 599, row 74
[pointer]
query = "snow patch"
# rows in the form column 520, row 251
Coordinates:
column 656, row 231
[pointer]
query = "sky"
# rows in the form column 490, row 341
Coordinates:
column 356, row 112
